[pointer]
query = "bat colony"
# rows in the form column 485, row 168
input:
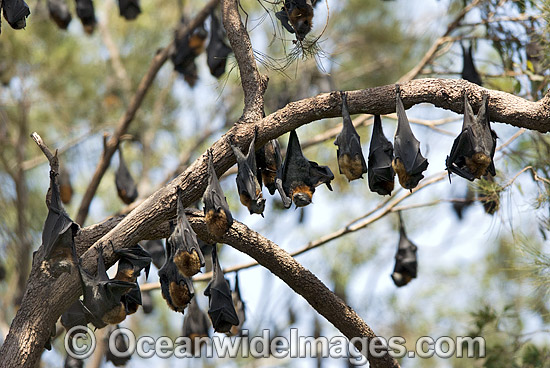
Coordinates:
column 108, row 301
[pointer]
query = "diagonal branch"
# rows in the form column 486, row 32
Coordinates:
column 299, row 279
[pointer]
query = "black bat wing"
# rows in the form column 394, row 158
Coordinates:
column 129, row 9
column 488, row 138
column 407, row 149
column 135, row 259
column 196, row 322
column 380, row 171
column 239, row 306
column 59, row 12
column 59, row 230
column 296, row 167
column 351, row 161
column 156, row 249
column 469, row 71
column 220, row 309
column 320, row 175
column 125, row 184
column 74, row 316
column 217, row 50
column 16, row 12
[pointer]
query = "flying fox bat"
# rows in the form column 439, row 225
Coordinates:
column 176, row 289
column 350, row 155
column 473, row 150
column 58, row 233
column 239, row 307
column 16, row 12
column 220, row 303
column 187, row 253
column 296, row 16
column 301, row 176
column 60, row 14
column 187, row 49
column 125, row 185
column 132, row 261
column 121, row 346
column 217, row 50
column 129, row 9
column 248, row 186
column 405, row 259
column 216, row 210
column 102, row 299
column 195, row 325
column 408, row 162
column 380, row 171
column 469, row 71
column 155, row 248
column 85, row 11
column 270, row 169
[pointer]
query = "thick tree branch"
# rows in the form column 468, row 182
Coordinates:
column 301, row 280
column 124, row 122
column 254, row 84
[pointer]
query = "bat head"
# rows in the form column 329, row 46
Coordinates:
column 302, row 195
column 301, row 19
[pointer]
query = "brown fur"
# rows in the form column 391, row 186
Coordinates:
column 404, row 177
column 189, row 264
column 66, row 193
column 125, row 275
column 269, row 177
column 245, row 200
column 301, row 20
column 478, row 164
column 179, row 295
column 115, row 315
column 352, row 168
column 301, row 189
column 216, row 223
column 196, row 43
column 387, row 185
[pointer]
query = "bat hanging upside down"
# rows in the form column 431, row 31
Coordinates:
column 301, row 176
column 217, row 216
column 250, row 191
column 473, row 150
column 296, row 16
column 351, row 161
